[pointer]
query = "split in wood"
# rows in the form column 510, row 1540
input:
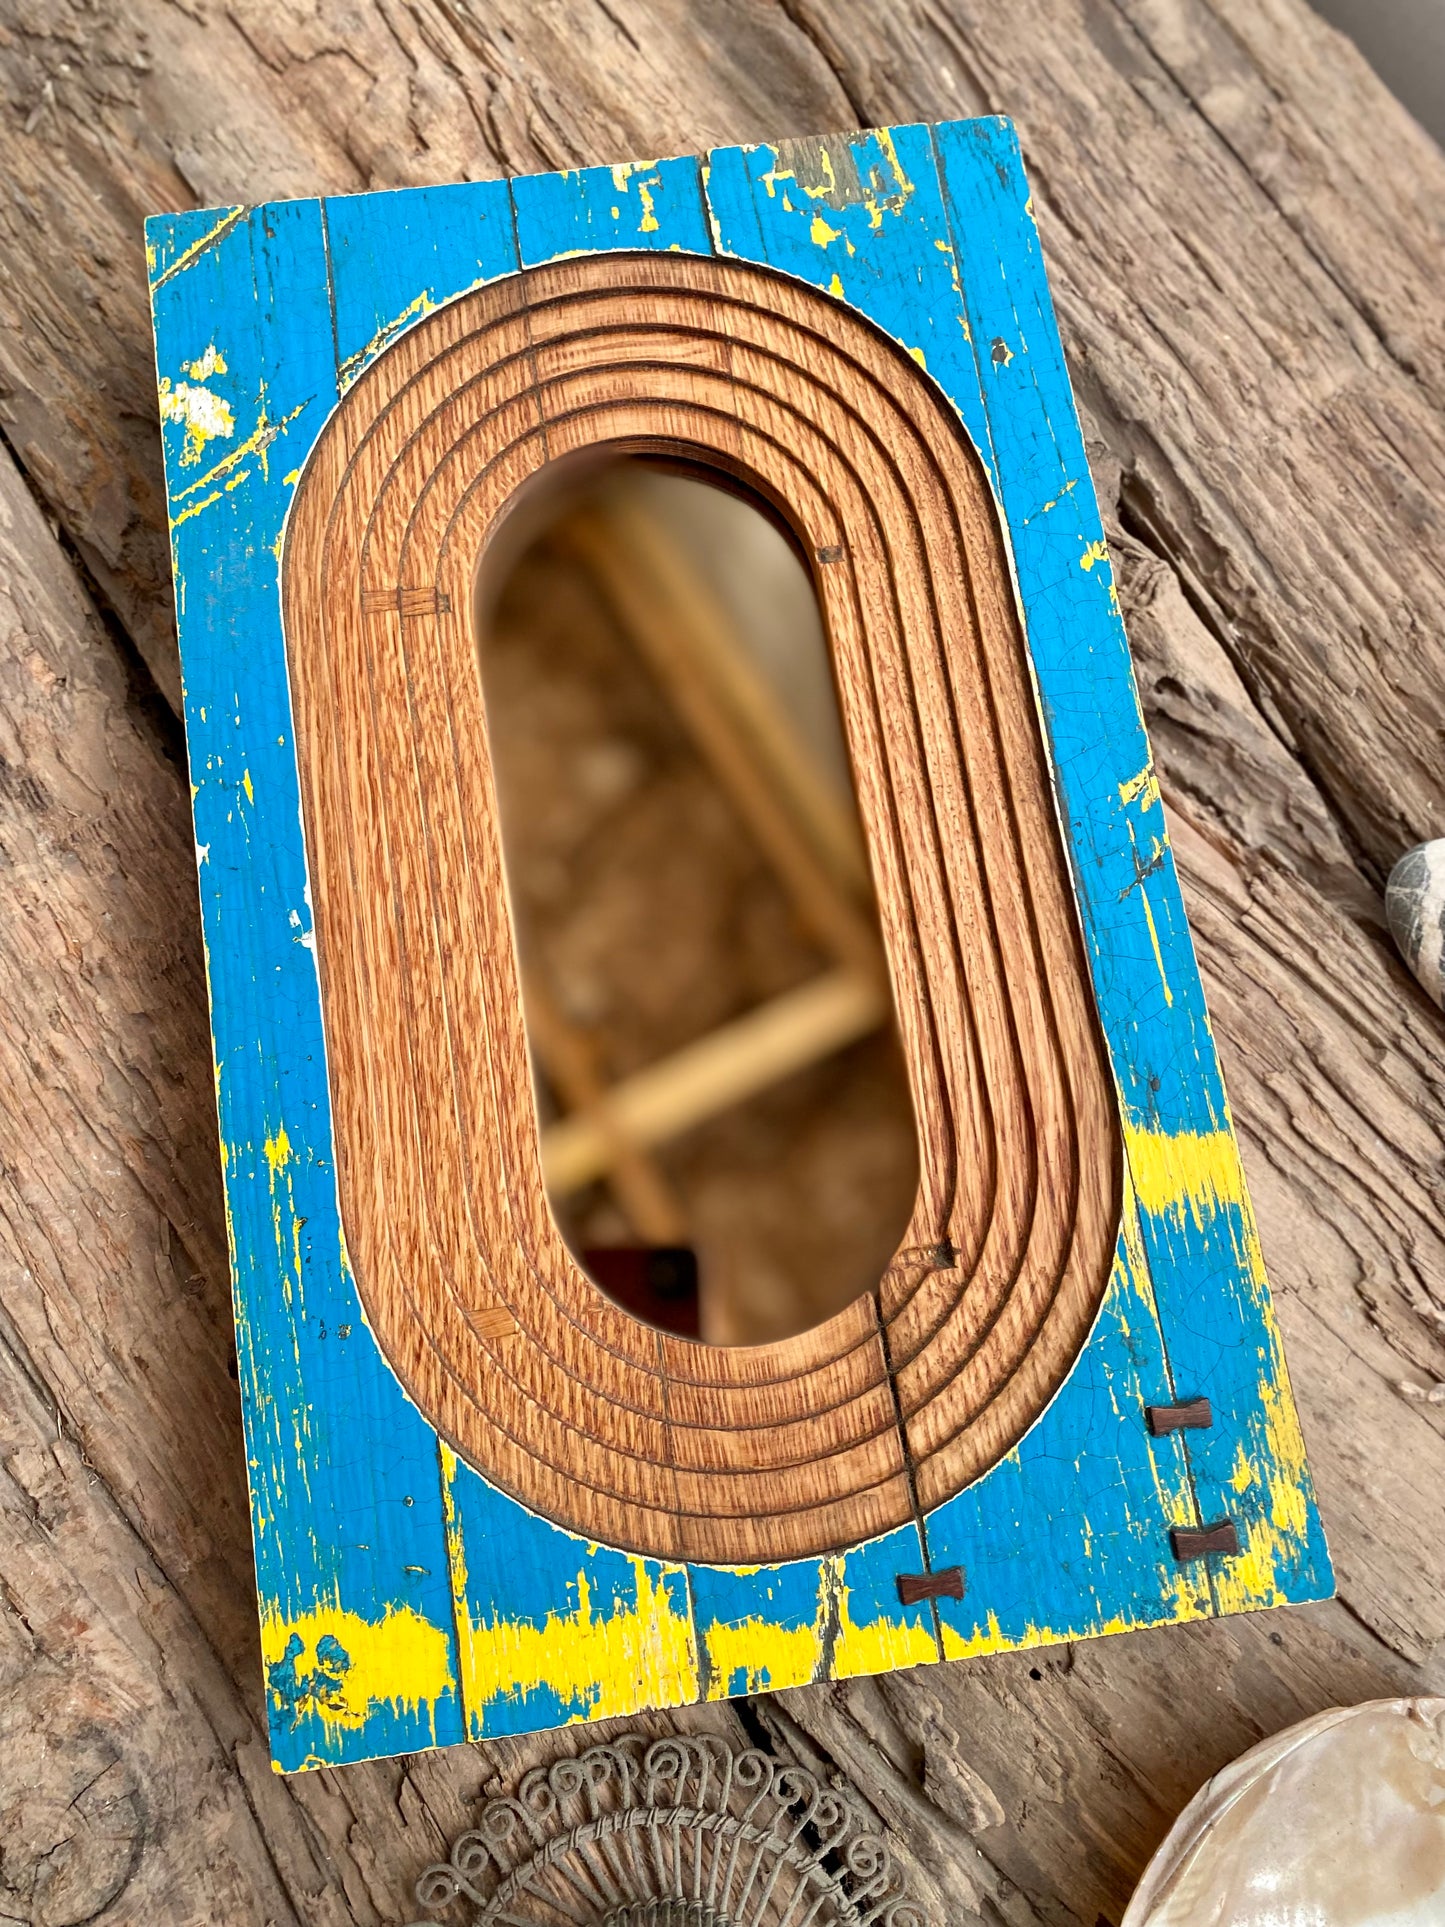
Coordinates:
column 426, row 600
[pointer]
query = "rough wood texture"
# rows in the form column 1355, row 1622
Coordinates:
column 405, row 1599
column 766, row 1453
column 1243, row 234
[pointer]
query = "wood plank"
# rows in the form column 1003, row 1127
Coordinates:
column 136, row 1780
column 1236, row 164
column 116, row 1291
column 371, row 1582
column 127, row 1743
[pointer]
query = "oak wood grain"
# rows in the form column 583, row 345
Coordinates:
column 641, row 1440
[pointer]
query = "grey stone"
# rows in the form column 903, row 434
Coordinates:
column 1415, row 909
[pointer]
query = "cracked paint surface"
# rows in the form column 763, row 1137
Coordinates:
column 404, row 1601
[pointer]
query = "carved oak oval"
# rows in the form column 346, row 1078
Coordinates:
column 629, row 1435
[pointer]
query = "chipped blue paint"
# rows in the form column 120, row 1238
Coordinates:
column 554, row 1629
column 362, row 1520
column 862, row 218
column 773, row 1626
column 642, row 204
column 1084, row 1498
column 345, row 1494
column 395, row 256
column 1202, row 1248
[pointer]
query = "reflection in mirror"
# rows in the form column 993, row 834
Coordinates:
column 728, row 1140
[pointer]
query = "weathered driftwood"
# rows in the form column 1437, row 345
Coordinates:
column 1244, row 238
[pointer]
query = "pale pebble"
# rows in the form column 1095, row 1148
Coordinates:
column 1415, row 911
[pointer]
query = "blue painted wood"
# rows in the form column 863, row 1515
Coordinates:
column 861, row 217
column 394, row 257
column 396, row 1584
column 351, row 1559
column 642, row 204
column 1068, row 1536
column 1198, row 1230
column 554, row 1629
column 773, row 1626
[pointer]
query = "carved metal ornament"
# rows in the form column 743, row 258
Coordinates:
column 671, row 1833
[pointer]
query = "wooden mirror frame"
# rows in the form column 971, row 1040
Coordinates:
column 629, row 1435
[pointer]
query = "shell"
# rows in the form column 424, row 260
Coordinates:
column 1337, row 1822
column 1415, row 910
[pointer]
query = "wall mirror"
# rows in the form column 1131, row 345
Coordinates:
column 728, row 1143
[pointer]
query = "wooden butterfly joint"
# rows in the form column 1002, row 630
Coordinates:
column 525, row 1500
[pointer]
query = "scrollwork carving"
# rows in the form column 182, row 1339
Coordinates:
column 681, row 1832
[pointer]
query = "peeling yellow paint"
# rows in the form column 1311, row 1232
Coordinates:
column 1142, row 789
column 204, row 415
column 821, row 234
column 946, row 248
column 212, row 362
column 258, row 443
column 765, row 1654
column 1197, row 1173
column 835, row 287
column 889, row 203
column 1154, row 940
column 1067, row 489
column 194, row 508
column 991, row 1637
column 278, row 1152
column 384, row 336
column 825, row 168
column 341, row 1667
column 768, row 1656
column 882, row 1645
column 1190, row 1597
column 246, row 785
column 626, row 176
column 1096, row 552
column 208, row 240
column 638, row 1654
column 1273, row 1535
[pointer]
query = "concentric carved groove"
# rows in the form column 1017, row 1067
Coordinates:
column 630, row 1435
